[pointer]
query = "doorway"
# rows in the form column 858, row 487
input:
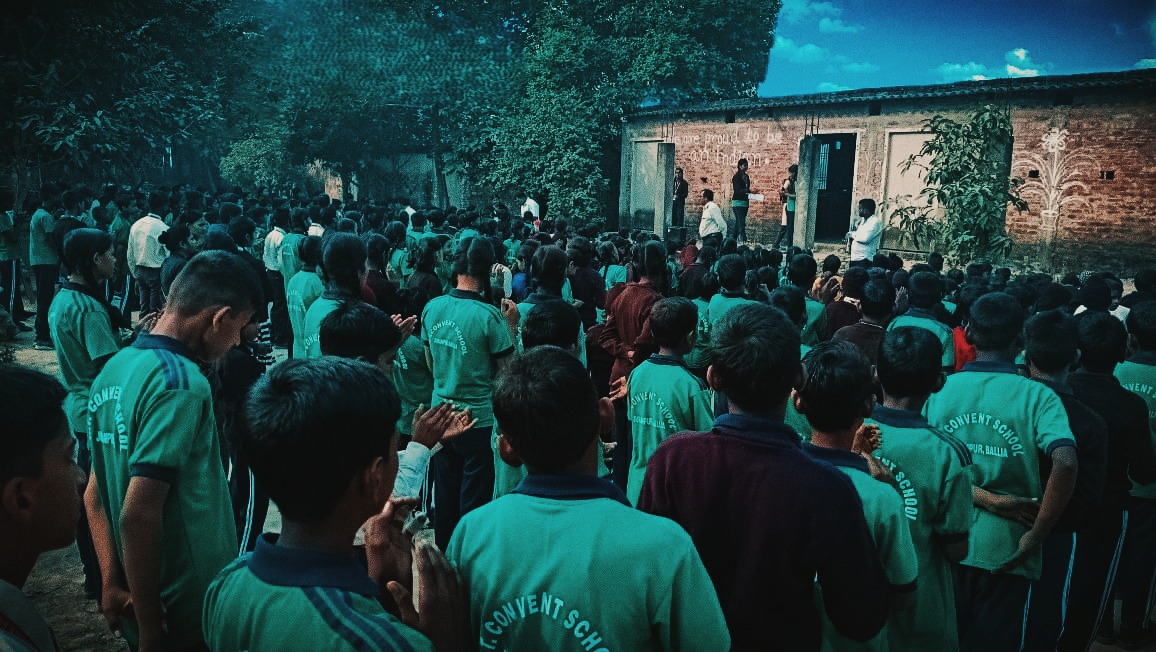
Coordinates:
column 834, row 178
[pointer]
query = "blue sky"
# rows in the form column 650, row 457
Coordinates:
column 831, row 45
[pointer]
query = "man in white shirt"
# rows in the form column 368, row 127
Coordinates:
column 865, row 237
column 281, row 331
column 146, row 254
column 712, row 228
column 531, row 206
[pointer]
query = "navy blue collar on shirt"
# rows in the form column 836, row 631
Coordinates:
column 569, row 487
column 658, row 358
column 283, row 566
column 464, row 294
column 837, row 457
column 922, row 313
column 1143, row 357
column 1062, row 390
column 757, row 429
column 542, row 296
column 992, row 367
column 898, row 418
column 150, row 341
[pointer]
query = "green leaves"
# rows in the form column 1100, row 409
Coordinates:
column 969, row 186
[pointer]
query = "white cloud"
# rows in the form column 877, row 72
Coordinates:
column 860, row 67
column 797, row 11
column 1018, row 63
column 831, row 87
column 953, row 72
column 801, row 54
column 1145, row 63
column 836, row 26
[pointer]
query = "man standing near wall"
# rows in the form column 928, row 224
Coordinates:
column 681, row 190
column 712, row 228
column 787, row 197
column 145, row 254
column 740, row 201
column 866, row 236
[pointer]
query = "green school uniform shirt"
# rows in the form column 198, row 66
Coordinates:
column 930, row 470
column 699, row 356
column 603, row 575
column 303, row 290
column 814, row 330
column 613, row 275
column 290, row 261
column 722, row 303
column 311, row 330
column 923, row 319
column 40, row 249
column 279, row 598
column 1138, row 375
column 664, row 398
column 150, row 415
column 413, row 379
column 465, row 337
column 399, row 268
column 83, row 334
column 883, row 510
column 1007, row 422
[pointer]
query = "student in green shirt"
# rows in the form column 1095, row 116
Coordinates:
column 1138, row 566
column 835, row 396
column 925, row 292
column 86, row 330
column 342, row 270
column 1007, row 422
column 157, row 502
column 731, row 272
column 801, row 272
column 930, row 469
column 664, row 397
column 603, row 576
column 41, row 485
column 702, row 290
column 313, row 436
column 302, row 290
column 467, row 340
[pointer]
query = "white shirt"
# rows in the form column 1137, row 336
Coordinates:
column 272, row 254
column 865, row 238
column 531, row 206
column 412, row 464
column 712, row 221
column 144, row 249
column 315, row 229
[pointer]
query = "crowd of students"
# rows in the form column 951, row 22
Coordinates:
column 618, row 443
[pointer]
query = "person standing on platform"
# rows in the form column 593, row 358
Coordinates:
column 740, row 202
column 681, row 190
column 712, row 228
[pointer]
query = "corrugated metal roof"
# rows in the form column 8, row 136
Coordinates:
column 1137, row 79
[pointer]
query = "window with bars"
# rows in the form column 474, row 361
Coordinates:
column 821, row 168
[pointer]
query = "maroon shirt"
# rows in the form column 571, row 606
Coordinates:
column 627, row 326
column 767, row 518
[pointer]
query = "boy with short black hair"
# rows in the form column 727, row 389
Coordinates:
column 835, row 397
column 925, row 292
column 1103, row 343
column 310, row 576
column 664, row 396
column 1051, row 349
column 1006, row 438
column 1138, row 374
column 878, row 299
column 158, row 503
column 765, row 517
column 595, row 580
column 801, row 272
column 930, row 470
column 40, row 495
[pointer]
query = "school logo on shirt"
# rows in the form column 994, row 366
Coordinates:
column 636, row 405
column 119, row 437
column 906, row 490
column 400, row 361
column 544, row 606
column 446, row 333
column 1014, row 445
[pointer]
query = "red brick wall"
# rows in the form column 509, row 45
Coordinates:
column 1115, row 228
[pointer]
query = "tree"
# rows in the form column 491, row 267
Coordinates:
column 93, row 91
column 967, row 168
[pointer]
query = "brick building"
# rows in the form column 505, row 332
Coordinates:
column 1085, row 146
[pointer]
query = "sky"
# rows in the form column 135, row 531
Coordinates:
column 831, row 45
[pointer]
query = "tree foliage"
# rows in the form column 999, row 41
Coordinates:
column 94, row 90
column 967, row 168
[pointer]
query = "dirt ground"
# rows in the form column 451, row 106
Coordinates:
column 56, row 584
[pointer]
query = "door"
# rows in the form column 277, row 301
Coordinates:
column 834, row 176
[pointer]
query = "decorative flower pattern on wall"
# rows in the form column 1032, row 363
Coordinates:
column 1060, row 189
